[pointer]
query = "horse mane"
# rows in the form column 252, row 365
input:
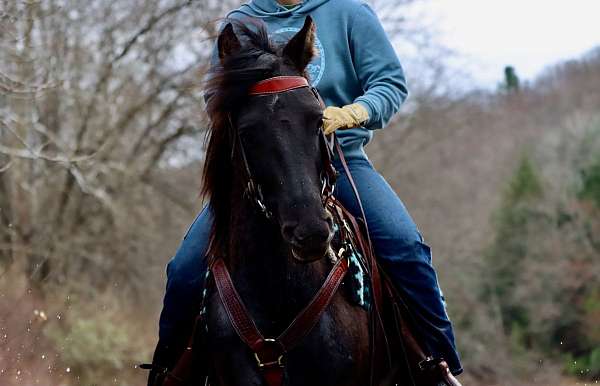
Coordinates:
column 226, row 88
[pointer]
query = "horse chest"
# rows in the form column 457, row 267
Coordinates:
column 330, row 354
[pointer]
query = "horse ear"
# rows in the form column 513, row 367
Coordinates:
column 227, row 43
column 300, row 49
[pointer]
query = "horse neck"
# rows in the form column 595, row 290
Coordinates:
column 255, row 247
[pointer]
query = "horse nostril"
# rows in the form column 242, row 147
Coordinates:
column 287, row 229
column 314, row 240
column 309, row 240
column 309, row 235
column 313, row 237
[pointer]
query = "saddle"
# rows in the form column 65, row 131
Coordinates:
column 395, row 348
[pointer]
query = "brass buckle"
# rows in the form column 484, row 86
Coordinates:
column 278, row 362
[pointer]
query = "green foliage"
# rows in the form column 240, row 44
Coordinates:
column 524, row 184
column 590, row 178
column 96, row 346
column 511, row 246
column 543, row 264
column 587, row 365
column 511, row 80
column 591, row 317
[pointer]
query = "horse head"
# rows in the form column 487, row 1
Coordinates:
column 273, row 141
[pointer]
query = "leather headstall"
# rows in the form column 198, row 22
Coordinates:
column 277, row 85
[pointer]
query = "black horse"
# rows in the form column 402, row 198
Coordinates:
column 278, row 137
column 278, row 235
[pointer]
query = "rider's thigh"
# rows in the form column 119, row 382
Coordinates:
column 393, row 231
column 403, row 253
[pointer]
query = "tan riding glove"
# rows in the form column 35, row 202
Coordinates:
column 346, row 117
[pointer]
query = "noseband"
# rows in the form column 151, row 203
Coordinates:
column 278, row 85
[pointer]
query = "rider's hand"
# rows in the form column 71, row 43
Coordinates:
column 345, row 117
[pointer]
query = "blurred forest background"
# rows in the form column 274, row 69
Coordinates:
column 101, row 135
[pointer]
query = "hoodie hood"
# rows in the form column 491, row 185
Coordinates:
column 271, row 8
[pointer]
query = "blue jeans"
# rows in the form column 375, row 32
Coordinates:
column 397, row 242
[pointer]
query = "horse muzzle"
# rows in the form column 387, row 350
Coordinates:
column 309, row 243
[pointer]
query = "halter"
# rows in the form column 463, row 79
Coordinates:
column 277, row 85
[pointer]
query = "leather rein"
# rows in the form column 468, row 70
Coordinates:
column 270, row 352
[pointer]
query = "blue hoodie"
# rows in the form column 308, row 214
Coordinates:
column 356, row 62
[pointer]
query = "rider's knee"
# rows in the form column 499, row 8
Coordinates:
column 407, row 248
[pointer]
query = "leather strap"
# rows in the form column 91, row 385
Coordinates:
column 375, row 279
column 376, row 323
column 310, row 315
column 183, row 369
column 270, row 353
column 234, row 306
column 278, row 84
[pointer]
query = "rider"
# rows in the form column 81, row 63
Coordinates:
column 355, row 68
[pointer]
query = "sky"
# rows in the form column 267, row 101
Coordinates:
column 528, row 34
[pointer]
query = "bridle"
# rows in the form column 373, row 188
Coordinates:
column 277, row 85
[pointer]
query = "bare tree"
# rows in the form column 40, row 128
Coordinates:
column 97, row 97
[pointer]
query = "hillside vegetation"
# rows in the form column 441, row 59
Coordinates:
column 505, row 187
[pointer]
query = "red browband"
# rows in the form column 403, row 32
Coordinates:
column 278, row 84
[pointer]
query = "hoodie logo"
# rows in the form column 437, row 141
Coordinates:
column 316, row 67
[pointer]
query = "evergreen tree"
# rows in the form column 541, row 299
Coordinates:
column 510, row 247
column 511, row 80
